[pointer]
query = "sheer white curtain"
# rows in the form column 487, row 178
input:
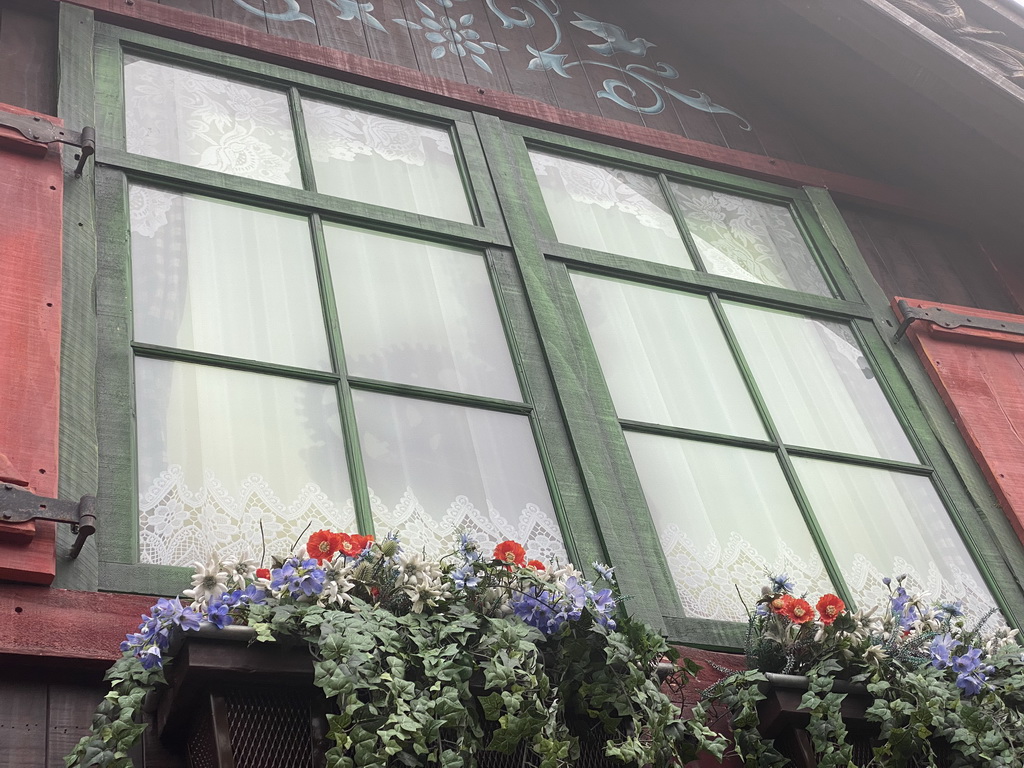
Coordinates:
column 222, row 452
column 385, row 161
column 727, row 520
column 664, row 357
column 436, row 469
column 189, row 117
column 608, row 209
column 417, row 313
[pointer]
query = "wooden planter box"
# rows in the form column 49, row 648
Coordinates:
column 782, row 719
column 234, row 705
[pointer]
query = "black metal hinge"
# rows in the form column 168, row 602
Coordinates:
column 42, row 131
column 20, row 506
column 946, row 319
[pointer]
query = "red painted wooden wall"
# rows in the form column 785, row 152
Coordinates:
column 980, row 375
column 31, row 197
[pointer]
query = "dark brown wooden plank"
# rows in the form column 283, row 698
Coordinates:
column 477, row 20
column 337, row 32
column 973, row 267
column 933, row 249
column 23, row 723
column 854, row 219
column 533, row 83
column 591, row 66
column 28, row 61
column 231, row 10
column 69, row 713
column 203, row 7
column 394, row 45
column 292, row 23
column 431, row 58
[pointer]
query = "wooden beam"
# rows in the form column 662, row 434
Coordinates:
column 148, row 16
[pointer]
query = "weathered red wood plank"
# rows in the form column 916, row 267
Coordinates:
column 86, row 626
column 146, row 15
column 31, row 197
column 204, row 7
column 980, row 376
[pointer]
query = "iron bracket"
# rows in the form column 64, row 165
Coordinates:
column 42, row 131
column 946, row 319
column 20, row 506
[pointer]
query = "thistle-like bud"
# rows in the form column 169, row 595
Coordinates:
column 388, row 547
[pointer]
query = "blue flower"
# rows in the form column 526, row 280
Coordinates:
column 219, row 613
column 173, row 612
column 606, row 572
column 151, row 658
column 465, row 577
column 781, row 583
column 468, row 548
column 300, row 578
column 940, row 649
column 967, row 663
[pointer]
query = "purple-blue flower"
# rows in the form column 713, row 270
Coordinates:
column 218, row 613
column 606, row 572
column 301, row 578
column 151, row 658
column 968, row 662
column 940, row 650
column 781, row 583
column 173, row 612
column 465, row 577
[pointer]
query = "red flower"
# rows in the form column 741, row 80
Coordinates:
column 510, row 553
column 322, row 545
column 349, row 546
column 362, row 541
column 262, row 573
column 778, row 604
column 829, row 608
column 797, row 610
column 537, row 565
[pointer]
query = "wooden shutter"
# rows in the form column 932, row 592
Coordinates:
column 980, row 374
column 31, row 201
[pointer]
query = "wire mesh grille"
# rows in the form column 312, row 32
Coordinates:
column 202, row 747
column 269, row 729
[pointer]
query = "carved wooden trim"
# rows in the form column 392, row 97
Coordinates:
column 947, row 19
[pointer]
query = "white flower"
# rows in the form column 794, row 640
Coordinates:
column 240, row 571
column 210, row 581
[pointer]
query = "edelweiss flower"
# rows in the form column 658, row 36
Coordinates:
column 240, row 571
column 210, row 581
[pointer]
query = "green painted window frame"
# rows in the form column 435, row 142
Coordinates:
column 596, row 492
column 599, row 434
column 118, row 538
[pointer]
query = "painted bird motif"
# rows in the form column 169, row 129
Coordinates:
column 618, row 40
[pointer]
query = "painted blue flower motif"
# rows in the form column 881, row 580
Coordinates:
column 451, row 35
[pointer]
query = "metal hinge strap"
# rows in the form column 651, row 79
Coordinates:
column 947, row 319
column 20, row 506
column 42, row 131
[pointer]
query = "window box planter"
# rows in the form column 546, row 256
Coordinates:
column 782, row 720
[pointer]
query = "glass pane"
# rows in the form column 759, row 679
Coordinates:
column 419, row 314
column 749, row 240
column 726, row 518
column 609, row 209
column 665, row 358
column 209, row 122
column 883, row 523
column 435, row 470
column 222, row 453
column 384, row 161
column 223, row 278
column 817, row 384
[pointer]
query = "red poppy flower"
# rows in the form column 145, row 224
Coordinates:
column 829, row 608
column 510, row 553
column 262, row 573
column 361, row 541
column 798, row 611
column 322, row 545
column 778, row 604
column 537, row 565
column 348, row 545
